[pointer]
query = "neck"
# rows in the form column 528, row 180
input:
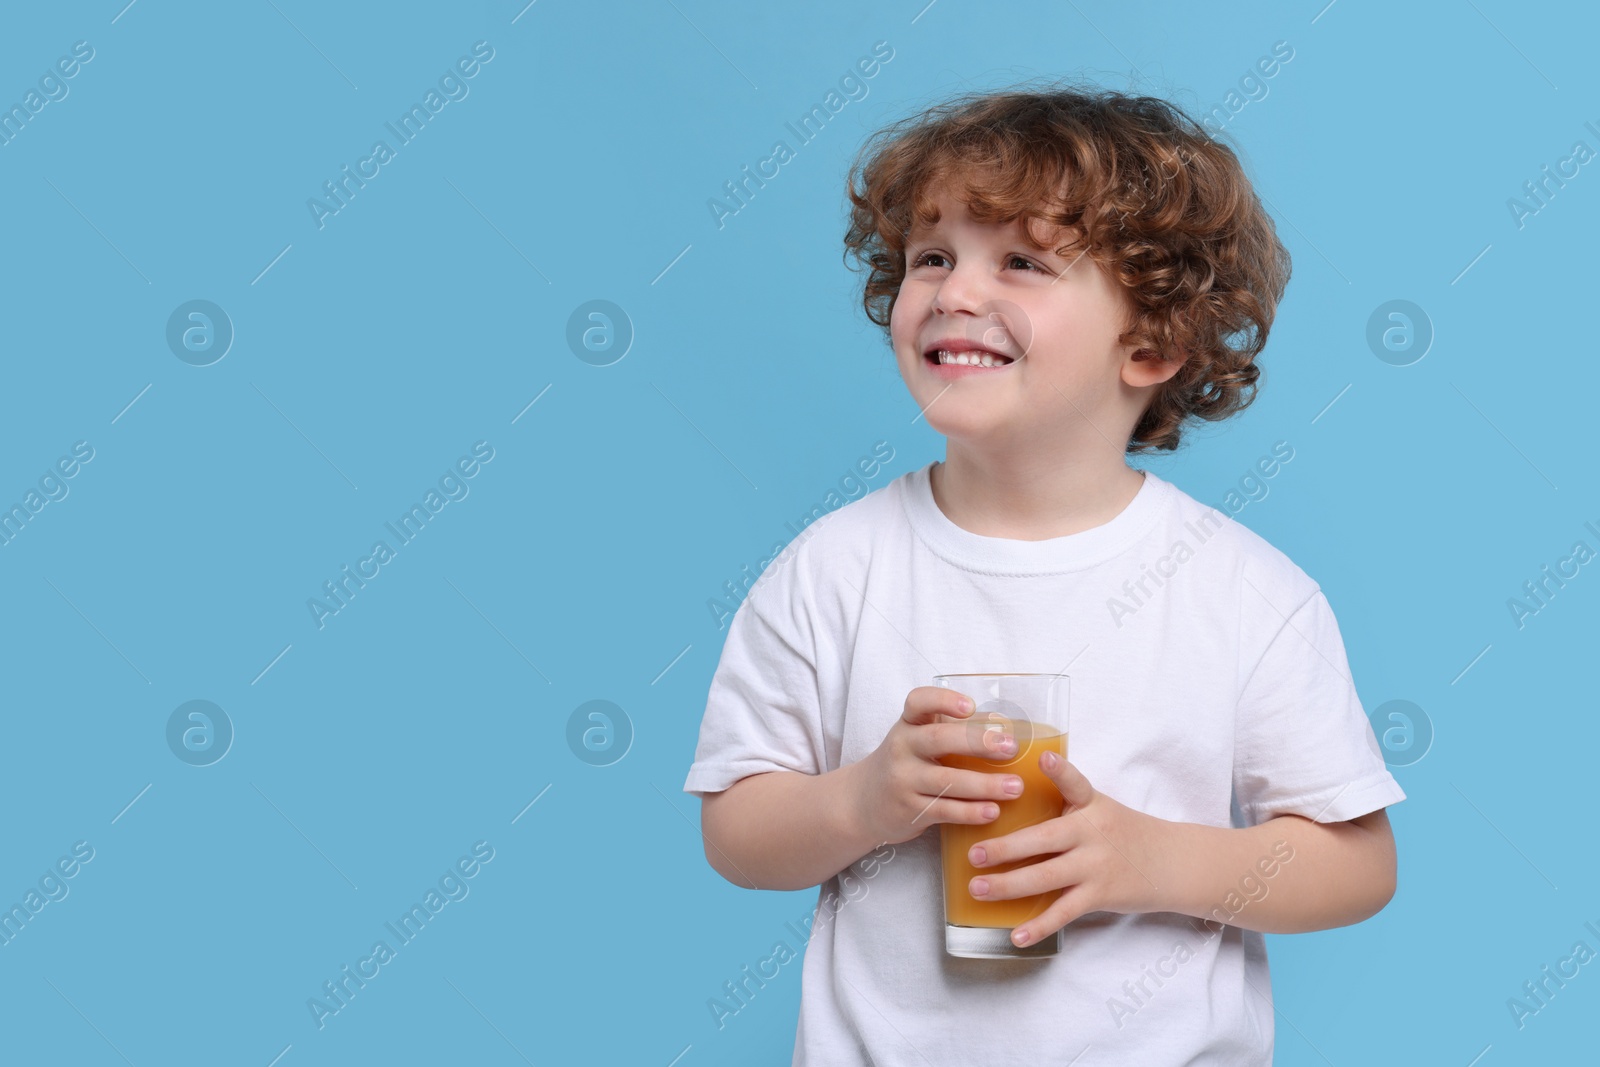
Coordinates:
column 1032, row 499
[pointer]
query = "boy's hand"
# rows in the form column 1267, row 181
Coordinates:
column 1111, row 858
column 901, row 789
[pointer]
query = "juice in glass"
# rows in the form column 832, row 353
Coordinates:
column 1040, row 800
column 1035, row 710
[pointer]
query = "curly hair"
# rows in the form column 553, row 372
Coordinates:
column 1166, row 210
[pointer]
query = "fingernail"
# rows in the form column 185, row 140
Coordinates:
column 1020, row 937
column 966, row 704
column 1013, row 786
column 991, row 811
column 980, row 886
column 1050, row 761
column 978, row 855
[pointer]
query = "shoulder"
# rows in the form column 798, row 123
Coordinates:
column 1243, row 555
column 830, row 550
column 839, row 537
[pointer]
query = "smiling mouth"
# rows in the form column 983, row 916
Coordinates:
column 942, row 357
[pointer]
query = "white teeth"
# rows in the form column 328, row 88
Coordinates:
column 972, row 359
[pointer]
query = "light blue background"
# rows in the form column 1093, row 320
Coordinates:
column 427, row 315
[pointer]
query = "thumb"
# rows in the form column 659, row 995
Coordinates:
column 1073, row 785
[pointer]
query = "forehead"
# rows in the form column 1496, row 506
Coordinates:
column 955, row 212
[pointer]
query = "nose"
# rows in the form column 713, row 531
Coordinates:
column 962, row 289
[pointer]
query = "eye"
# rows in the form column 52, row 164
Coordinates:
column 925, row 259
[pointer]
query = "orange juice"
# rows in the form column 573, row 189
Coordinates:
column 1040, row 800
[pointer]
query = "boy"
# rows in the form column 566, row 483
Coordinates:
column 1066, row 277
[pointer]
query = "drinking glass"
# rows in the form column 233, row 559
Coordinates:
column 1032, row 708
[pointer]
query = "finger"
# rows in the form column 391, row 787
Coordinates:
column 1073, row 785
column 1045, row 838
column 974, row 737
column 948, row 809
column 1072, row 903
column 978, row 785
column 1057, row 872
column 926, row 703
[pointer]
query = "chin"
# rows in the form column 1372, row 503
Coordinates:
column 958, row 426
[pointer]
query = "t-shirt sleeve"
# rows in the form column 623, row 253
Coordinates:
column 1302, row 743
column 763, row 709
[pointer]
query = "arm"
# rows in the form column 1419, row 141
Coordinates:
column 1335, row 874
column 788, row 830
column 782, row 829
column 1286, row 875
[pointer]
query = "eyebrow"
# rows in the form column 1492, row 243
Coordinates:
column 920, row 232
column 927, row 237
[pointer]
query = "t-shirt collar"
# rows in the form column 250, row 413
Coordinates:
column 1004, row 555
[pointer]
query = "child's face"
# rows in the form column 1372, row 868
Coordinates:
column 1057, row 317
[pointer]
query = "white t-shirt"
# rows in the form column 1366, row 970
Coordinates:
column 1208, row 684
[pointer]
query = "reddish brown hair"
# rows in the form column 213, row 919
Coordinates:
column 1166, row 210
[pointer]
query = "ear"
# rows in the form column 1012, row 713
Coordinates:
column 1145, row 367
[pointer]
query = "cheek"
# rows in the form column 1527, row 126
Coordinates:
column 902, row 328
